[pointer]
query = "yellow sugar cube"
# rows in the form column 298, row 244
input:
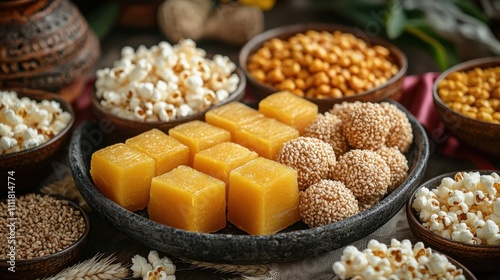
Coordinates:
column 123, row 174
column 263, row 197
column 232, row 116
column 167, row 151
column 265, row 136
column 199, row 135
column 290, row 109
column 187, row 199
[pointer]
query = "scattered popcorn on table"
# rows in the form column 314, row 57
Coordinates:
column 165, row 82
column 154, row 268
column 465, row 208
column 399, row 260
column 26, row 123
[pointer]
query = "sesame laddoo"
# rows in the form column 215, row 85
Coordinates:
column 328, row 127
column 400, row 134
column 398, row 164
column 366, row 126
column 342, row 110
column 313, row 159
column 364, row 172
column 326, row 202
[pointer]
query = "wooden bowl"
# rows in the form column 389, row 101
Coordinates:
column 50, row 264
column 480, row 135
column 31, row 166
column 477, row 258
column 118, row 129
column 391, row 89
column 231, row 245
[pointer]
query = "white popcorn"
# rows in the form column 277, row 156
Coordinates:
column 155, row 268
column 6, row 130
column 401, row 260
column 469, row 208
column 176, row 74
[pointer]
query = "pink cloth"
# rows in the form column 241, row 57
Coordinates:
column 416, row 97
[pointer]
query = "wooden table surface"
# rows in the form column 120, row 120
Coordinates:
column 107, row 240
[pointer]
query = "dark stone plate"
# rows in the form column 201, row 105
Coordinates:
column 230, row 245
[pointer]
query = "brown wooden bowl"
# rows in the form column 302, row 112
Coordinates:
column 32, row 165
column 477, row 258
column 483, row 136
column 50, row 264
column 391, row 89
column 118, row 129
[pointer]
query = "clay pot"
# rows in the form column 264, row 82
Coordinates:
column 44, row 44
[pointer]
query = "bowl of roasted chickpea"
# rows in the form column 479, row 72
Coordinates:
column 467, row 99
column 34, row 130
column 458, row 214
column 162, row 86
column 324, row 63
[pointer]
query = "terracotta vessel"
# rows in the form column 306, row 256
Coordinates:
column 44, row 44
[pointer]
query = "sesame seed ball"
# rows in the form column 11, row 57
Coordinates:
column 364, row 172
column 400, row 134
column 367, row 126
column 367, row 201
column 313, row 159
column 328, row 127
column 398, row 164
column 326, row 202
column 342, row 110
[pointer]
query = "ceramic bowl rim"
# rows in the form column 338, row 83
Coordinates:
column 256, row 41
column 419, row 227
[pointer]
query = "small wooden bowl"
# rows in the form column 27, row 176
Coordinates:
column 118, row 129
column 477, row 258
column 483, row 136
column 50, row 264
column 391, row 89
column 32, row 165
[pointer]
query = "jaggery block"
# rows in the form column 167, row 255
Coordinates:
column 188, row 199
column 290, row 109
column 219, row 160
column 123, row 174
column 199, row 135
column 263, row 197
column 265, row 136
column 232, row 116
column 167, row 151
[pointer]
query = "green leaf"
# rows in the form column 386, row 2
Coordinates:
column 396, row 19
column 470, row 8
column 103, row 19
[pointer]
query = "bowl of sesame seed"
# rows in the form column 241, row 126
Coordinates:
column 34, row 129
column 325, row 63
column 45, row 234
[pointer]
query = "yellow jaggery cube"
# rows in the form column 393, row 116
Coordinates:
column 188, row 199
column 219, row 160
column 232, row 116
column 263, row 197
column 290, row 109
column 265, row 136
column 167, row 151
column 123, row 174
column 199, row 135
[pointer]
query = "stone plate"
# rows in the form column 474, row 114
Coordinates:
column 230, row 245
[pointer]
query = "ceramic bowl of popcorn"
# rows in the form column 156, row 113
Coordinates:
column 468, row 102
column 327, row 64
column 162, row 87
column 458, row 213
column 35, row 129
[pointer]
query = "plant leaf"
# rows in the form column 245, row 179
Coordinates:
column 396, row 19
